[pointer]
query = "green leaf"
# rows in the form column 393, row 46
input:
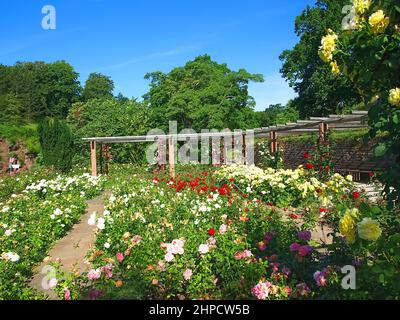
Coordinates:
column 380, row 150
column 396, row 119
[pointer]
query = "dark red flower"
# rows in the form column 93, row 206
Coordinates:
column 371, row 174
column 211, row 232
column 309, row 166
column 322, row 210
column 356, row 195
column 306, row 155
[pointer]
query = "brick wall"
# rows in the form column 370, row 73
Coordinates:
column 349, row 156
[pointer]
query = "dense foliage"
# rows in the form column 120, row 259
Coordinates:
column 319, row 92
column 33, row 90
column 111, row 117
column 369, row 56
column 98, row 86
column 202, row 94
column 57, row 144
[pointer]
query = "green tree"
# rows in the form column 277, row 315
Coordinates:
column 278, row 114
column 319, row 91
column 42, row 89
column 57, row 144
column 202, row 94
column 98, row 86
column 10, row 109
column 110, row 117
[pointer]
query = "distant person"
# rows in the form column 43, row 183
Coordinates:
column 11, row 161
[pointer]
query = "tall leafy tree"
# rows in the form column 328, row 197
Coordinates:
column 98, row 86
column 42, row 89
column 202, row 94
column 319, row 91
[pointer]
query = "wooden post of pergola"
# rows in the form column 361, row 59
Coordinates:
column 274, row 141
column 93, row 158
column 171, row 157
column 244, row 161
column 323, row 130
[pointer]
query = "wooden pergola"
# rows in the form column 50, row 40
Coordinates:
column 356, row 120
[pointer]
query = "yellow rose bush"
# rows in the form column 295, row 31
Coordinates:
column 369, row 56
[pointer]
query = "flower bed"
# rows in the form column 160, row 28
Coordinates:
column 32, row 220
column 209, row 237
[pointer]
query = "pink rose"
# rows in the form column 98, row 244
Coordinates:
column 187, row 274
column 120, row 257
column 222, row 229
column 67, row 294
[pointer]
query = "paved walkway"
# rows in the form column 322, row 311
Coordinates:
column 73, row 248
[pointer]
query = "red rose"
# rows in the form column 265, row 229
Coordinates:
column 309, row 166
column 328, row 168
column 211, row 232
column 356, row 195
column 371, row 174
column 306, row 155
column 322, row 210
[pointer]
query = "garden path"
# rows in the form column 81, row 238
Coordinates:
column 73, row 248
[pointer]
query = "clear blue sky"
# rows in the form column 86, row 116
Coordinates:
column 125, row 39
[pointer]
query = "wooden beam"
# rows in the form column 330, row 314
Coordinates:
column 244, row 161
column 171, row 157
column 274, row 141
column 93, row 158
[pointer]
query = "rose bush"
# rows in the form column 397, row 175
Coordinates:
column 205, row 236
column 30, row 221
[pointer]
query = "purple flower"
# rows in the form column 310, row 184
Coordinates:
column 303, row 289
column 294, row 247
column 304, row 235
column 286, row 271
column 320, row 278
column 304, row 251
column 268, row 237
column 357, row 262
column 94, row 294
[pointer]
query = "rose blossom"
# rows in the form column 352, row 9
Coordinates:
column 120, row 257
column 187, row 274
column 169, row 257
column 304, row 235
column 304, row 251
column 261, row 290
column 94, row 274
column 222, row 229
column 67, row 294
column 295, row 247
column 204, row 248
column 320, row 278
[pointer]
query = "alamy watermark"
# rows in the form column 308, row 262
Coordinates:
column 207, row 147
column 49, row 21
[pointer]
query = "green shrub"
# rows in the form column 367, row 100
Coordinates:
column 57, row 144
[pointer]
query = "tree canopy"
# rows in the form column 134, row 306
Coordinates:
column 319, row 91
column 202, row 94
column 40, row 89
column 98, row 86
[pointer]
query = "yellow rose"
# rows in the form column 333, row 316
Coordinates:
column 361, row 6
column 347, row 227
column 328, row 46
column 335, row 68
column 394, row 97
column 369, row 229
column 378, row 22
